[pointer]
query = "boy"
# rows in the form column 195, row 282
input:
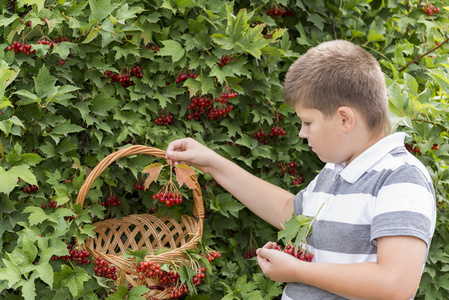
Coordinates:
column 371, row 237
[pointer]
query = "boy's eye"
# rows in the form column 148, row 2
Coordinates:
column 305, row 123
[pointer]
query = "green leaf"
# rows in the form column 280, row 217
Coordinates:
column 37, row 215
column 93, row 33
column 237, row 27
column 137, row 292
column 29, row 250
column 29, row 287
column 63, row 49
column 411, row 83
column 9, row 178
column 28, row 95
column 6, row 21
column 172, row 48
column 226, row 205
column 66, row 128
column 39, row 3
column 73, row 279
column 138, row 254
column 44, row 83
column 100, row 9
column 269, row 288
column 7, row 76
column 121, row 294
column 295, row 228
column 45, row 272
column 31, row 159
column 10, row 273
column 103, row 103
column 124, row 13
column 317, row 20
column 126, row 50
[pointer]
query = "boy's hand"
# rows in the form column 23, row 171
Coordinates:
column 190, row 152
column 277, row 265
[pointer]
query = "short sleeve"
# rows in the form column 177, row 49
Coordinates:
column 297, row 202
column 405, row 205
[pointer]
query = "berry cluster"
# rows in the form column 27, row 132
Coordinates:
column 301, row 254
column 155, row 48
column 30, row 189
column 102, row 269
column 289, row 168
column 279, row 12
column 80, row 256
column 278, row 116
column 61, row 39
column 224, row 61
column 177, row 292
column 430, row 9
column 261, row 136
column 148, row 269
column 199, row 276
column 51, row 203
column 215, row 113
column 18, row 47
column 298, row 180
column 124, row 77
column 227, row 95
column 166, row 280
column 26, row 48
column 211, row 255
column 111, row 201
column 139, row 186
column 27, row 24
column 203, row 105
column 277, row 131
column 168, row 197
column 184, row 76
column 435, row 147
column 68, row 180
column 163, row 120
column 249, row 254
column 198, row 107
column 412, row 148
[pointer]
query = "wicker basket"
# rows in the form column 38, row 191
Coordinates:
column 135, row 232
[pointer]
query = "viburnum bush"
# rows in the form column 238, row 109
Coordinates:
column 80, row 80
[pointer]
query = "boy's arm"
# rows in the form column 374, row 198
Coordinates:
column 271, row 203
column 396, row 274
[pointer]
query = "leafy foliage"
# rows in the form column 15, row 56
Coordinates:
column 60, row 115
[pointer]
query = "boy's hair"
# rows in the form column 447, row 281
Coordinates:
column 339, row 73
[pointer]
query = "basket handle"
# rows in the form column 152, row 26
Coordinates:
column 198, row 207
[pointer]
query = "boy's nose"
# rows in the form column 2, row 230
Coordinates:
column 301, row 133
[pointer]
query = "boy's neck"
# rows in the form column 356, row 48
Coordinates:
column 366, row 141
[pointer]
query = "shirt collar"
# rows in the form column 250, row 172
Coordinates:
column 352, row 172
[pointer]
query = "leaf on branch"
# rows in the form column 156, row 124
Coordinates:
column 184, row 174
column 292, row 229
column 153, row 170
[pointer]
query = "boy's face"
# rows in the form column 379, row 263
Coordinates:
column 323, row 135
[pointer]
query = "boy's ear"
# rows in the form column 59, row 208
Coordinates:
column 346, row 117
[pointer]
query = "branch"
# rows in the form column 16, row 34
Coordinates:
column 430, row 122
column 422, row 55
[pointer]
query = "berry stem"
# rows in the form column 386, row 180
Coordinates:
column 1, row 150
column 311, row 224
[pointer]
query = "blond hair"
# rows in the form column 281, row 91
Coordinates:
column 339, row 73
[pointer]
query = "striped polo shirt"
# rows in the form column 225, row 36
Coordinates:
column 385, row 191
